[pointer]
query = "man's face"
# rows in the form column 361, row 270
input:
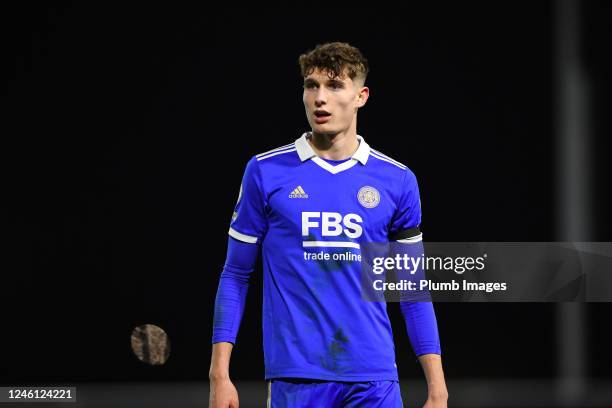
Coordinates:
column 331, row 104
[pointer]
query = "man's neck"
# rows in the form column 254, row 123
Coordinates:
column 334, row 147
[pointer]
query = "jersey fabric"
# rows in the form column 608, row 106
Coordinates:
column 310, row 217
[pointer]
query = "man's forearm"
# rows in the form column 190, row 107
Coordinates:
column 432, row 367
column 219, row 362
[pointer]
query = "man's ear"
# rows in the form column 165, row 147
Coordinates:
column 362, row 98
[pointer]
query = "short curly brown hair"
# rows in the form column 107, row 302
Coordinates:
column 334, row 58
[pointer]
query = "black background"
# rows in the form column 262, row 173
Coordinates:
column 126, row 129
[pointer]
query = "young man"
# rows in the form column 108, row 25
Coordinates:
column 326, row 193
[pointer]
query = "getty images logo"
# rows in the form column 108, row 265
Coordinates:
column 298, row 192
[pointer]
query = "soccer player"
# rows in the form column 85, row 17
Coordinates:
column 328, row 192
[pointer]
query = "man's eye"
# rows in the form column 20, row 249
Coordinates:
column 335, row 85
column 309, row 85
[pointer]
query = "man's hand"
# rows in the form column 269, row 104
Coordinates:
column 223, row 394
column 437, row 398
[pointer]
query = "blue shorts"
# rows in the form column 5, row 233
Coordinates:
column 298, row 392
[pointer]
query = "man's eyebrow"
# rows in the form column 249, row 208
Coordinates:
column 329, row 80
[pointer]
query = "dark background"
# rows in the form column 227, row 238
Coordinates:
column 126, row 129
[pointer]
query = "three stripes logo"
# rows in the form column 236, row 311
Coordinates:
column 298, row 192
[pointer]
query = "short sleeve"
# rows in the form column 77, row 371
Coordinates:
column 249, row 222
column 406, row 223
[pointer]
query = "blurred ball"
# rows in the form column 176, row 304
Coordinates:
column 150, row 344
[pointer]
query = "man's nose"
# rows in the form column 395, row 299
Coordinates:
column 320, row 96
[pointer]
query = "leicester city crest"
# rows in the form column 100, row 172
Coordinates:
column 368, row 196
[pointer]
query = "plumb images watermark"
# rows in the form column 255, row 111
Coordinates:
column 410, row 265
column 487, row 271
column 429, row 285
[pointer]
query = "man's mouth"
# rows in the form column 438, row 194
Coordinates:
column 321, row 116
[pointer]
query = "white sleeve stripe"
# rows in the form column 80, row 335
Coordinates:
column 259, row 158
column 242, row 237
column 275, row 150
column 377, row 153
column 411, row 240
column 388, row 161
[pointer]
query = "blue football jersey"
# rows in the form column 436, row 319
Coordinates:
column 310, row 216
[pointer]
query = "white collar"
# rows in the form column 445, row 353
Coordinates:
column 305, row 151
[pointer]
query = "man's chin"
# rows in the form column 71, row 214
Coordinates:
column 323, row 129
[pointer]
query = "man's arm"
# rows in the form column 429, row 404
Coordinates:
column 232, row 290
column 229, row 308
column 422, row 327
column 436, row 385
column 223, row 393
column 416, row 306
column 219, row 362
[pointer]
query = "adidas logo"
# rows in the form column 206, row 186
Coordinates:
column 298, row 193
